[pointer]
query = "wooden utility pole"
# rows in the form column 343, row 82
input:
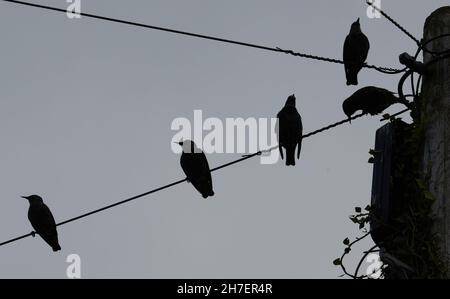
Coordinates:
column 436, row 116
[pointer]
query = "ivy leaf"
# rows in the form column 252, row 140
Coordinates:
column 361, row 225
column 367, row 208
column 347, row 250
column 428, row 195
column 421, row 184
column 358, row 210
column 346, row 241
column 337, row 262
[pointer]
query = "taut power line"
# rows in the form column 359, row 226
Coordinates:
column 208, row 37
column 244, row 158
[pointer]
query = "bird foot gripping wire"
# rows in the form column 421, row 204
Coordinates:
column 33, row 234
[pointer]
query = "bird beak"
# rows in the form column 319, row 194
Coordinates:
column 179, row 143
column 26, row 197
column 357, row 21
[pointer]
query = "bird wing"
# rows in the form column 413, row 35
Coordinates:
column 290, row 129
column 42, row 219
column 187, row 165
column 347, row 49
column 49, row 220
column 347, row 53
column 290, row 125
column 49, row 216
column 204, row 166
column 356, row 50
column 365, row 46
column 195, row 165
column 277, row 131
column 282, row 127
column 300, row 138
column 380, row 99
column 196, row 168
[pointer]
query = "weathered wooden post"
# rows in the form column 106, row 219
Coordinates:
column 436, row 116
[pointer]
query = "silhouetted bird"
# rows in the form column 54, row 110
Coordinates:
column 196, row 167
column 356, row 49
column 290, row 131
column 372, row 100
column 42, row 221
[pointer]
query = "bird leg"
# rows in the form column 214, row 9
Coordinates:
column 33, row 234
column 281, row 152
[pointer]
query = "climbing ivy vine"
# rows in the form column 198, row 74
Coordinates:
column 409, row 247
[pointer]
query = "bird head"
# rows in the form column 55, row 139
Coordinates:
column 33, row 199
column 188, row 146
column 356, row 27
column 348, row 109
column 290, row 101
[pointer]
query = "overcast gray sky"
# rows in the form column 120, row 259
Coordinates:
column 85, row 114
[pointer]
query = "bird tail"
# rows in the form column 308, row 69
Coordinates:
column 209, row 193
column 51, row 238
column 352, row 80
column 351, row 73
column 290, row 156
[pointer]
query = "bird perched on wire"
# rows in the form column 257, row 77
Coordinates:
column 370, row 100
column 42, row 220
column 195, row 165
column 356, row 49
column 289, row 131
